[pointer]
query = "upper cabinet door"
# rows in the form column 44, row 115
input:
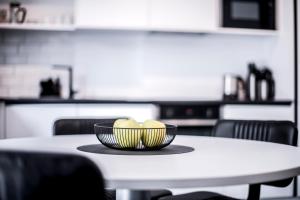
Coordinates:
column 184, row 15
column 115, row 14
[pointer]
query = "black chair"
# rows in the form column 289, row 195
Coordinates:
column 77, row 126
column 282, row 132
column 86, row 126
column 36, row 176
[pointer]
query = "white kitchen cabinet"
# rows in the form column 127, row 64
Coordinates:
column 139, row 112
column 35, row 119
column 38, row 119
column 111, row 14
column 184, row 15
column 161, row 15
column 46, row 15
column 258, row 112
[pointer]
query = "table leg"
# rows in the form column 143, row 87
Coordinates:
column 123, row 194
column 254, row 192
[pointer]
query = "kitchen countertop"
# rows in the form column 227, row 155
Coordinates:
column 10, row 101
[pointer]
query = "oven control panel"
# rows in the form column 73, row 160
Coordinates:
column 189, row 112
column 191, row 119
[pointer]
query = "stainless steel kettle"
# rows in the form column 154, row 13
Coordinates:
column 17, row 14
column 234, row 88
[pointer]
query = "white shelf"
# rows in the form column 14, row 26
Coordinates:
column 111, row 28
column 63, row 27
column 228, row 31
column 42, row 27
column 221, row 30
column 245, row 31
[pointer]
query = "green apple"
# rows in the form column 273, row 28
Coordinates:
column 127, row 132
column 154, row 133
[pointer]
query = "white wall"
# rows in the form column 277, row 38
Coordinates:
column 143, row 64
column 24, row 80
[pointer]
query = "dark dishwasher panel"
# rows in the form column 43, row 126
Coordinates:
column 195, row 130
column 189, row 112
column 196, row 120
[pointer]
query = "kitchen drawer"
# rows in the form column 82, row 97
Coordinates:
column 111, row 14
column 35, row 120
column 257, row 112
column 139, row 112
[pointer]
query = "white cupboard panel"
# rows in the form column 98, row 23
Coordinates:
column 111, row 14
column 139, row 112
column 185, row 15
column 252, row 112
column 35, row 120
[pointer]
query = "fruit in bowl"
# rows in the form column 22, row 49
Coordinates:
column 154, row 133
column 127, row 132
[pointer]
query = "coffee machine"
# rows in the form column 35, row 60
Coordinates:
column 260, row 84
column 17, row 13
column 266, row 85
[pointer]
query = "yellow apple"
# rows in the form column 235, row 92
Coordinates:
column 154, row 133
column 127, row 132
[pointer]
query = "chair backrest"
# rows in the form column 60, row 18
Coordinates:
column 35, row 176
column 283, row 132
column 77, row 126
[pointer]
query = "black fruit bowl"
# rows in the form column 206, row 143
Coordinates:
column 139, row 139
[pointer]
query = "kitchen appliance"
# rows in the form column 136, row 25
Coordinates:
column 50, row 88
column 258, row 14
column 234, row 88
column 17, row 14
column 252, row 82
column 260, row 84
column 191, row 118
column 266, row 85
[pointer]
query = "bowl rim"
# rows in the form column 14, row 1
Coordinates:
column 105, row 125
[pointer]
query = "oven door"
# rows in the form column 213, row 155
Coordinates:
column 258, row 14
column 196, row 127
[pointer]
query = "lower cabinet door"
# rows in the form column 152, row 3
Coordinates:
column 35, row 120
column 139, row 112
column 258, row 112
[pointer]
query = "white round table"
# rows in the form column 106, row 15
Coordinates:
column 214, row 162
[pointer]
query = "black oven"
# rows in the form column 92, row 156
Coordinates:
column 257, row 14
column 191, row 119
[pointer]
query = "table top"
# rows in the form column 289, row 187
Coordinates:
column 215, row 162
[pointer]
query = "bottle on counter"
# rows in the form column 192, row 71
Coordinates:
column 252, row 82
column 266, row 85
